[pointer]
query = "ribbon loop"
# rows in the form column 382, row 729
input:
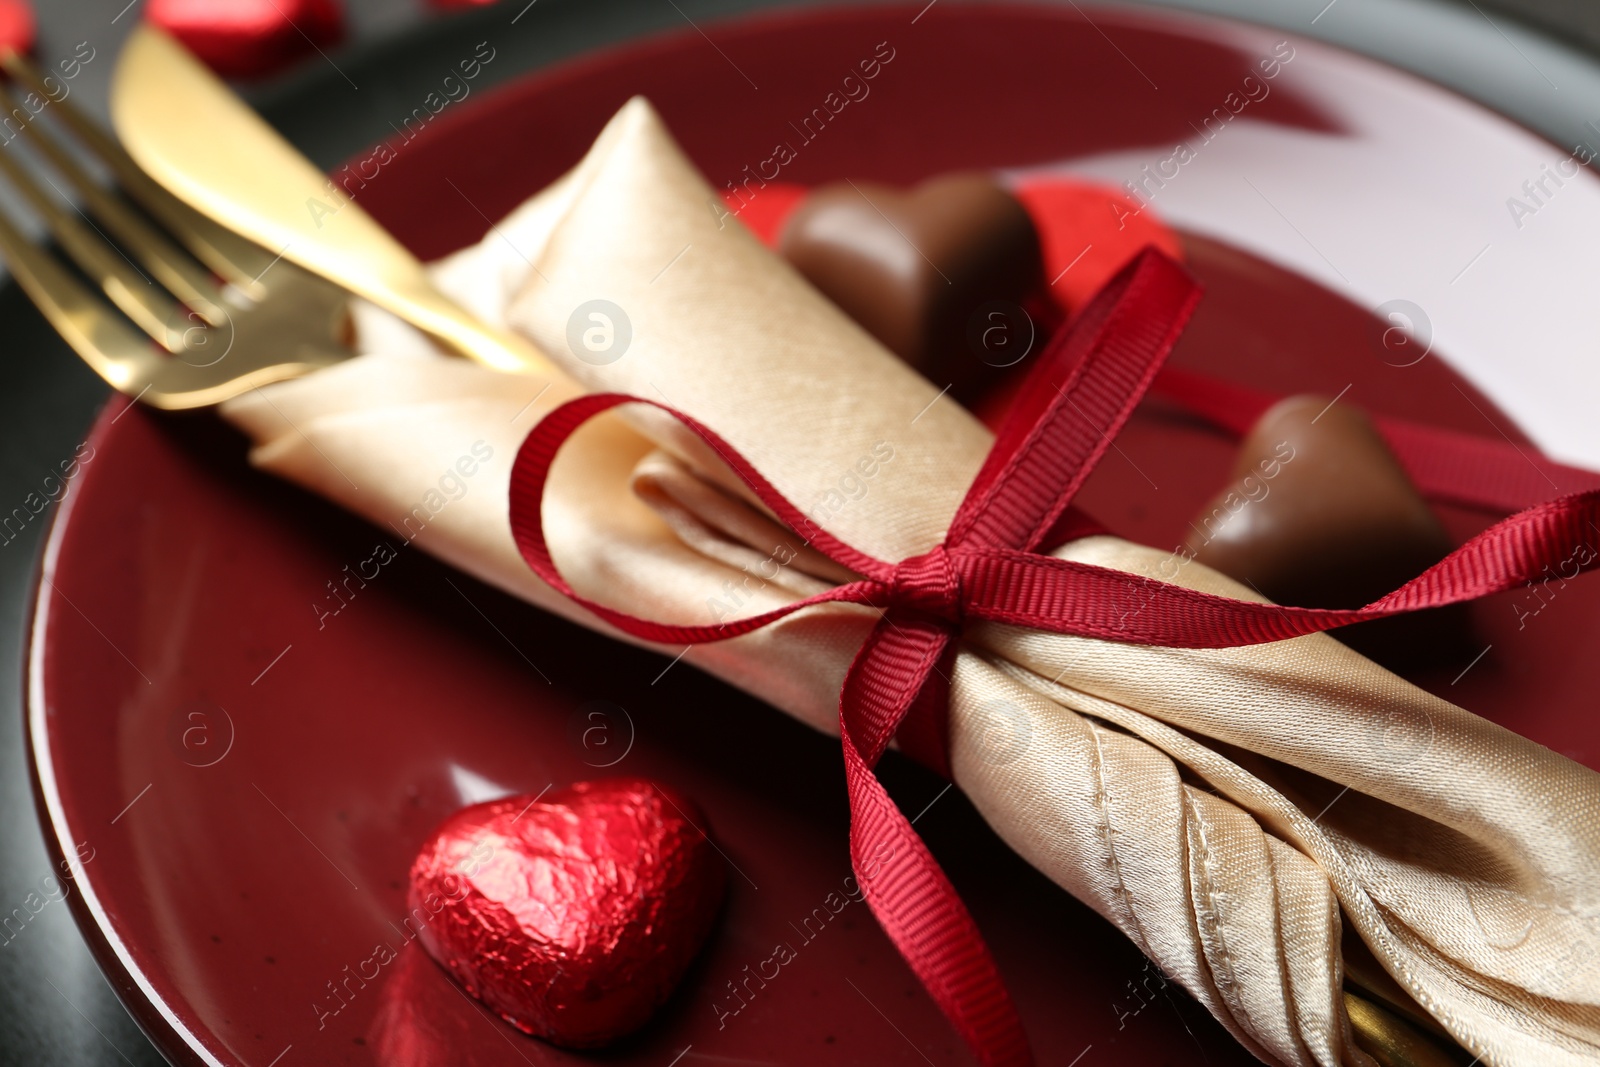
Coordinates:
column 1086, row 383
column 1079, row 395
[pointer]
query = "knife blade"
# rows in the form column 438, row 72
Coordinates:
column 196, row 137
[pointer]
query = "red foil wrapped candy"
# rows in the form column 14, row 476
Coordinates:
column 17, row 26
column 574, row 915
column 249, row 38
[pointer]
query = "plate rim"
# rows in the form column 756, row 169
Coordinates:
column 167, row 1026
column 156, row 1018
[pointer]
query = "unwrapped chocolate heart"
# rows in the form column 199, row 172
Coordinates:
column 939, row 273
column 1320, row 513
column 574, row 914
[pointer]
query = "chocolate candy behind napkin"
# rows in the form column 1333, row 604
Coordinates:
column 938, row 273
column 1321, row 514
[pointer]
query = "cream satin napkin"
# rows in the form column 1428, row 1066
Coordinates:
column 1235, row 812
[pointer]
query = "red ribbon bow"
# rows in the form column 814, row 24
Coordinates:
column 1084, row 388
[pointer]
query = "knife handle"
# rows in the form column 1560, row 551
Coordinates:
column 420, row 303
column 190, row 134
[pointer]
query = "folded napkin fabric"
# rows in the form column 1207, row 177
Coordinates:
column 1236, row 812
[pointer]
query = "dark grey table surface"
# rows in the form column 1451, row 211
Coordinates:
column 1528, row 58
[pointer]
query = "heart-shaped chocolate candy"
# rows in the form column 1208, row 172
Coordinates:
column 572, row 915
column 1320, row 513
column 937, row 273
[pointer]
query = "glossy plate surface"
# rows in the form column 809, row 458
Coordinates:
column 245, row 789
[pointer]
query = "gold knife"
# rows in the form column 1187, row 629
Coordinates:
column 192, row 134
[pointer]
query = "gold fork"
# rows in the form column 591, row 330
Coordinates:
column 220, row 329
column 205, row 314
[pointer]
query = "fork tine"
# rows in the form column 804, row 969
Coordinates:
column 138, row 297
column 175, row 269
column 296, row 325
column 238, row 261
column 124, row 357
column 112, row 349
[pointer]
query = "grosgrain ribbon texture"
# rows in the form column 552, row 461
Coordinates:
column 1235, row 812
column 986, row 568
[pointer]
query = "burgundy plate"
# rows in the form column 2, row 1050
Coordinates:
column 245, row 788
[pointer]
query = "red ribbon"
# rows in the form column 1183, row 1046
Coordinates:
column 1447, row 466
column 1083, row 389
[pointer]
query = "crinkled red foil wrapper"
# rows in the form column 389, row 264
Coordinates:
column 572, row 916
